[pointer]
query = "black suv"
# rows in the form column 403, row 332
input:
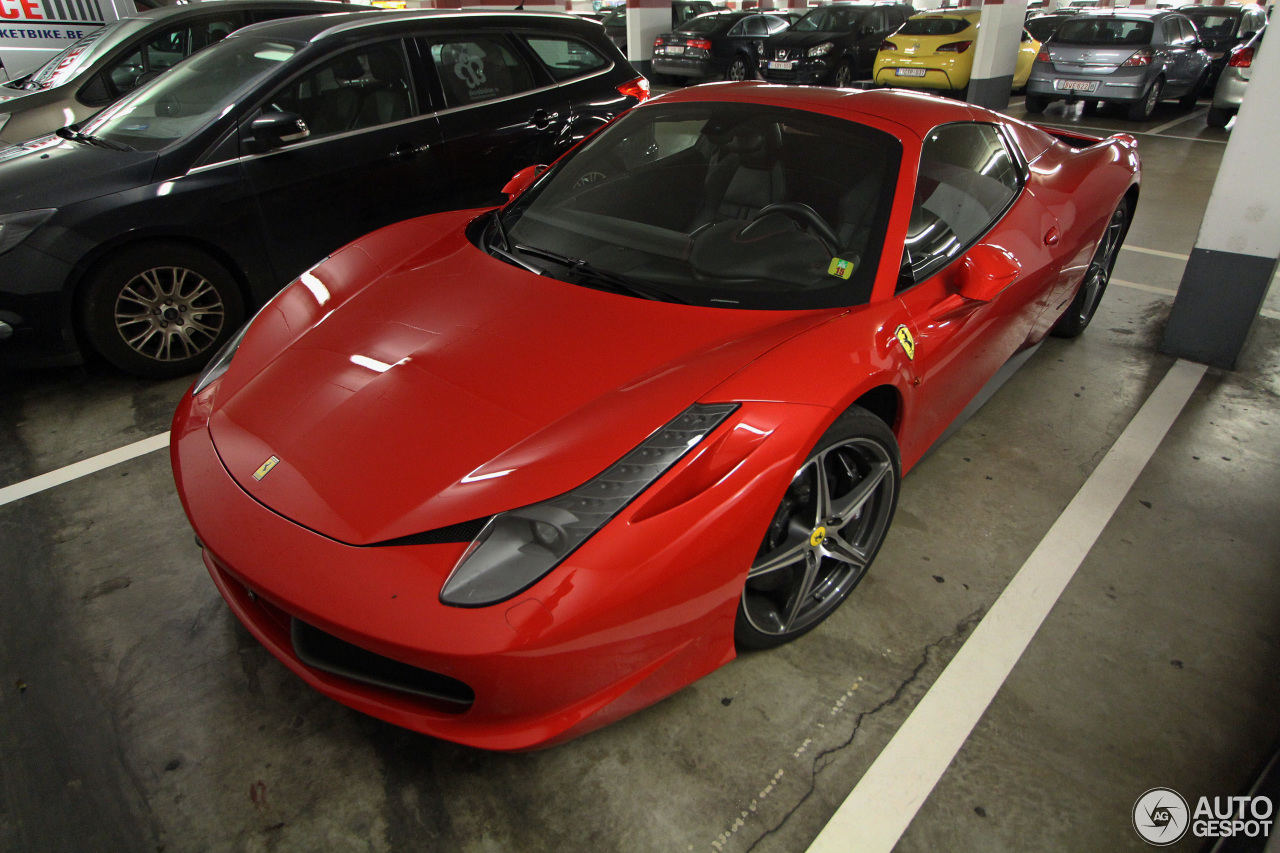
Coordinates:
column 147, row 233
column 833, row 44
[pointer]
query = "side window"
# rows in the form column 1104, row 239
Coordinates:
column 1172, row 35
column 967, row 179
column 1189, row 34
column 474, row 69
column 166, row 49
column 756, row 26
column 565, row 58
column 738, row 29
column 775, row 25
column 358, row 89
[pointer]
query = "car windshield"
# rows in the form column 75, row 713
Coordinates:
column 63, row 67
column 1213, row 25
column 1104, row 32
column 190, row 95
column 936, row 26
column 728, row 205
column 829, row 19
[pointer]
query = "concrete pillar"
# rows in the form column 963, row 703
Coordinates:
column 1235, row 257
column 996, row 53
column 646, row 20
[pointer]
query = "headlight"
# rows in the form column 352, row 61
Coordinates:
column 14, row 227
column 519, row 547
column 821, row 49
column 220, row 362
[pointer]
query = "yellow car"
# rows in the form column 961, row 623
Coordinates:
column 935, row 51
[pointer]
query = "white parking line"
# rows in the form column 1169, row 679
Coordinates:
column 893, row 789
column 1156, row 131
column 83, row 468
column 1176, row 256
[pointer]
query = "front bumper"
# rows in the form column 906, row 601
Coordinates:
column 810, row 71
column 1121, row 86
column 35, row 306
column 642, row 609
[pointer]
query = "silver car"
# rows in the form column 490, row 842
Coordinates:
column 1125, row 56
column 111, row 61
column 1231, row 83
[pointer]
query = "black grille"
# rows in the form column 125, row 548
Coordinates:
column 465, row 531
column 325, row 652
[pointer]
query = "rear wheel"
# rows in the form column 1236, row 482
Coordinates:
column 844, row 75
column 1144, row 109
column 160, row 310
column 1083, row 307
column 825, row 533
column 1219, row 116
column 740, row 69
column 1035, row 104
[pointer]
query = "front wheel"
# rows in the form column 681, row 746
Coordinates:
column 160, row 310
column 825, row 533
column 1082, row 308
column 844, row 75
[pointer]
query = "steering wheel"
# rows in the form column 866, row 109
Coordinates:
column 806, row 216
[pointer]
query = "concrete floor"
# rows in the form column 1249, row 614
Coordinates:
column 137, row 715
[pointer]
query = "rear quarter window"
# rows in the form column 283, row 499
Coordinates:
column 566, row 58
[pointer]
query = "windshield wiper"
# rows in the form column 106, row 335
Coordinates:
column 504, row 250
column 76, row 136
column 613, row 281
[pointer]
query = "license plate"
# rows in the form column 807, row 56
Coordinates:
column 781, row 66
column 909, row 72
column 1076, row 85
column 675, row 50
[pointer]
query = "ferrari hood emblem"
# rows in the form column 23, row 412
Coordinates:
column 266, row 468
column 903, row 334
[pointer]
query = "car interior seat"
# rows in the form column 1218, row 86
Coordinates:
column 744, row 175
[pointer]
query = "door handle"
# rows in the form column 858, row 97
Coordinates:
column 408, row 152
column 1051, row 237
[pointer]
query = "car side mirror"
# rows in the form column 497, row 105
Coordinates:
column 522, row 179
column 271, row 130
column 867, row 30
column 987, row 271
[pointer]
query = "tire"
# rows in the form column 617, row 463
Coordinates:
column 1035, row 104
column 793, row 584
column 740, row 69
column 160, row 310
column 1081, row 310
column 1219, row 117
column 1189, row 100
column 844, row 75
column 1145, row 108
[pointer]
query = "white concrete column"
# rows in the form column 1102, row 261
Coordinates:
column 1236, row 252
column 646, row 20
column 996, row 53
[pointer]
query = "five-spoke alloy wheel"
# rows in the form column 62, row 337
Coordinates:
column 825, row 534
column 1085, row 304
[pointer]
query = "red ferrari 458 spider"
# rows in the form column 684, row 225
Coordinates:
column 504, row 476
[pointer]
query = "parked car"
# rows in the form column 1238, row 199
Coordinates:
column 1222, row 29
column 114, row 59
column 1043, row 26
column 1127, row 57
column 834, row 44
column 717, row 44
column 146, row 234
column 1235, row 77
column 935, row 51
column 389, row 500
column 615, row 23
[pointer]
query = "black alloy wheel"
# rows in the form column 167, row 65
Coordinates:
column 1085, row 305
column 160, row 310
column 826, row 532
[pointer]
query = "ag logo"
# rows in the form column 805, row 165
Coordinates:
column 266, row 468
column 903, row 334
column 1160, row 816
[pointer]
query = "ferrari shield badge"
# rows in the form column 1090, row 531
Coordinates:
column 903, row 334
column 266, row 468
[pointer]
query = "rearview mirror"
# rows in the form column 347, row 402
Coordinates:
column 521, row 180
column 271, row 130
column 987, row 271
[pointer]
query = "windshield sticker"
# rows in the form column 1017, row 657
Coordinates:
column 841, row 268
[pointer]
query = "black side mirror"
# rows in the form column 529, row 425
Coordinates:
column 271, row 130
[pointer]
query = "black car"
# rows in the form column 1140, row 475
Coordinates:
column 1221, row 29
column 833, row 44
column 615, row 23
column 148, row 233
column 717, row 44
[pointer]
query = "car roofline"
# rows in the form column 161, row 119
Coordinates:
column 390, row 17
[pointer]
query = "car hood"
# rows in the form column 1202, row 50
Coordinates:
column 54, row 172
column 463, row 386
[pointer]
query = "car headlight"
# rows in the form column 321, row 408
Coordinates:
column 14, row 227
column 519, row 547
column 821, row 49
column 219, row 363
